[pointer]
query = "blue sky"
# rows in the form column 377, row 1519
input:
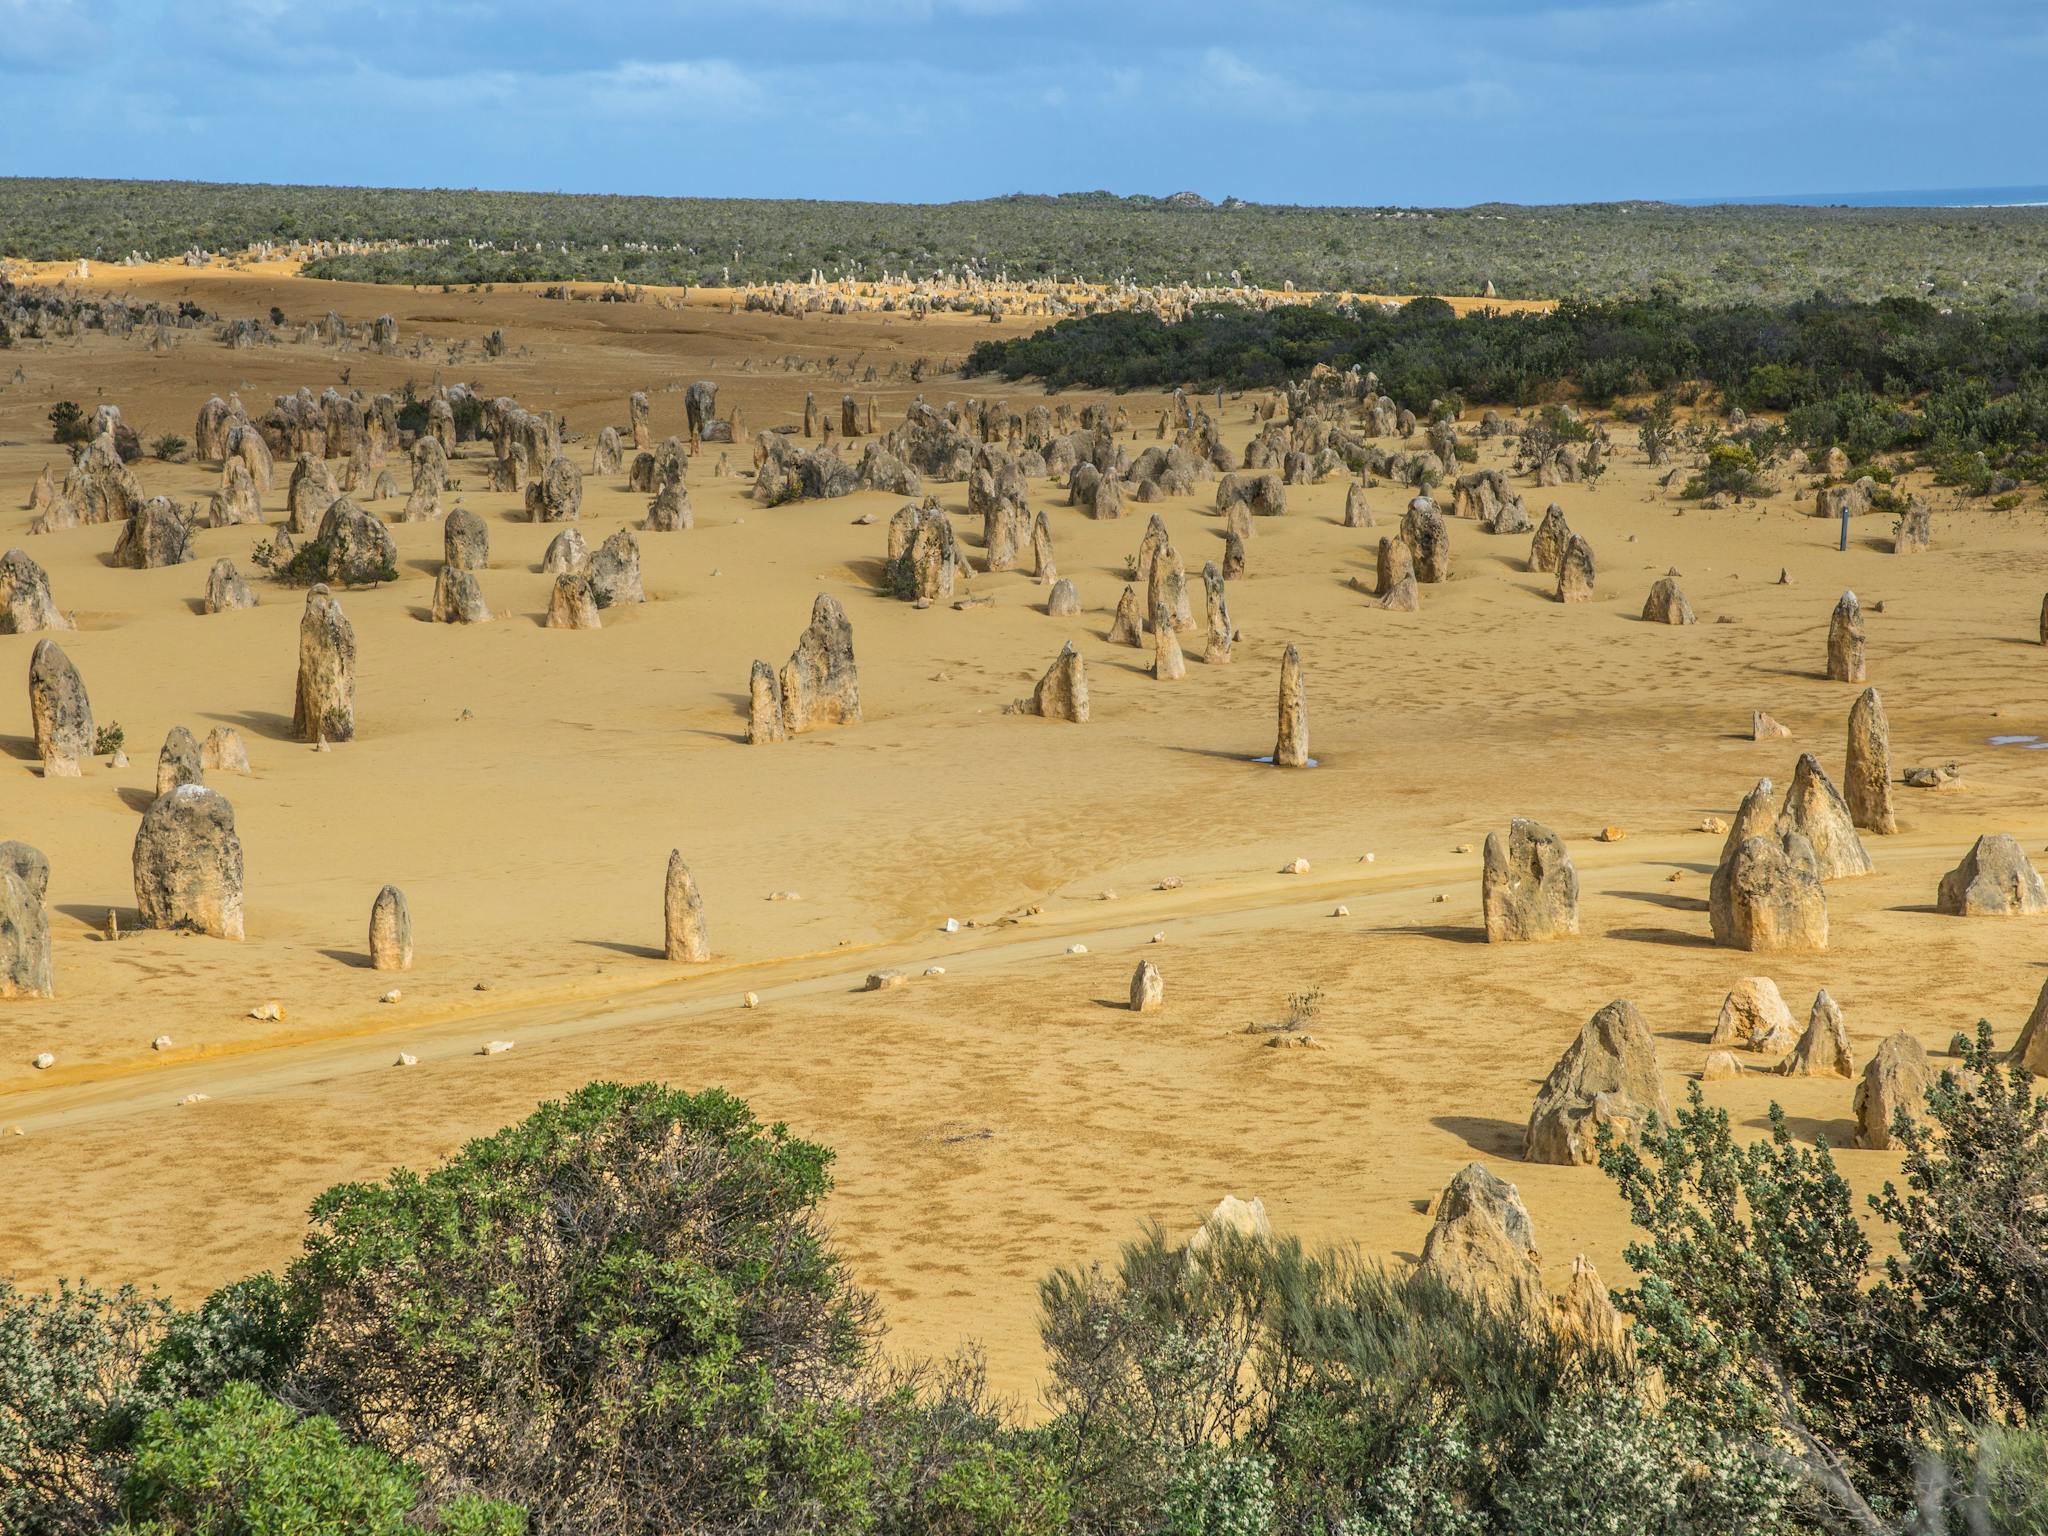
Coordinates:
column 1434, row 102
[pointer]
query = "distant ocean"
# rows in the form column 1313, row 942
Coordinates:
column 1944, row 197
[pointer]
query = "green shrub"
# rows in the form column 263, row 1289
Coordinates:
column 68, row 423
column 243, row 1464
column 170, row 447
column 71, row 1398
column 621, row 1312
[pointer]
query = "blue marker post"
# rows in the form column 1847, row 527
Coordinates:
column 1844, row 545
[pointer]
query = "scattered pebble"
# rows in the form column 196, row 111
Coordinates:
column 1106, row 896
column 951, row 925
column 1439, row 897
column 1298, row 867
column 160, row 1043
column 195, row 1098
column 392, row 996
column 1462, row 848
column 1170, row 883
column 1368, row 858
column 118, row 760
column 269, row 1012
column 1341, row 911
column 784, row 896
column 15, row 1130
column 751, row 1000
column 1159, row 937
column 1713, row 824
column 935, row 970
column 406, row 1059
column 44, row 1061
column 881, row 981
column 1675, row 876
column 495, row 1047
column 482, row 986
column 1612, row 834
column 1077, row 949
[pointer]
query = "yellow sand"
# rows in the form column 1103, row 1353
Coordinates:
column 525, row 786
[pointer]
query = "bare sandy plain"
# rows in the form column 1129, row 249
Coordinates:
column 525, row 786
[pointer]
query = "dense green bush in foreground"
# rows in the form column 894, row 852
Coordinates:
column 624, row 1315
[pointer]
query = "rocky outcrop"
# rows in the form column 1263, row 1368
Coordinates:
column 177, row 762
column 155, row 536
column 353, row 548
column 1815, row 809
column 1482, row 1244
column 1993, row 880
column 572, row 605
column 1845, row 641
column 1894, row 1083
column 25, row 969
column 1753, row 1016
column 764, row 706
column 1755, row 817
column 324, row 705
column 614, row 571
column 1528, row 888
column 684, row 937
column 1575, row 572
column 1767, row 897
column 1867, row 776
column 1428, row 540
column 1608, row 1076
column 60, row 714
column 1290, row 748
column 390, row 931
column 466, row 541
column 225, row 589
column 820, row 682
column 1062, row 694
column 1148, row 988
column 556, row 496
column 1823, row 1051
column 566, row 554
column 458, row 598
column 1666, row 603
column 188, row 863
column 1546, row 547
column 1128, row 627
column 26, row 606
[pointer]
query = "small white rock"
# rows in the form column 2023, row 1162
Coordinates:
column 1170, row 883
column 406, row 1059
column 882, row 981
column 751, row 1000
column 195, row 1098
column 160, row 1043
column 1342, row 911
column 392, row 996
column 495, row 1047
column 1370, row 857
column 269, row 1012
column 952, row 925
column 1160, row 937
column 1077, row 949
column 1298, row 867
column 44, row 1061
column 935, row 970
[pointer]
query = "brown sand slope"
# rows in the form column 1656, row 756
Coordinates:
column 525, row 786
